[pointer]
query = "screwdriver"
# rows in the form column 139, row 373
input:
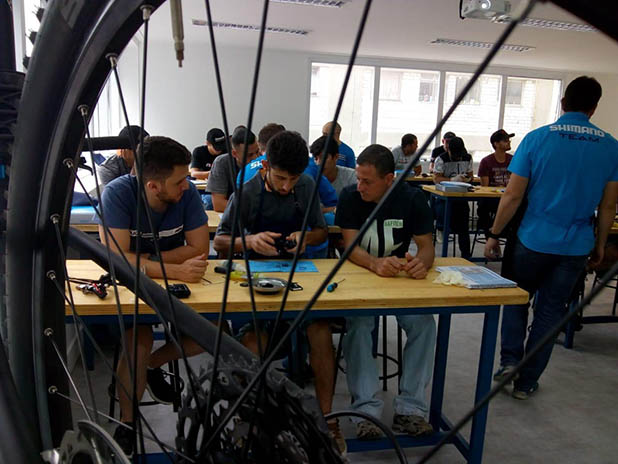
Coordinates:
column 333, row 286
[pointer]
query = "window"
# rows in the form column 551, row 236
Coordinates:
column 357, row 111
column 474, row 94
column 514, row 89
column 415, row 111
column 538, row 105
column 475, row 121
column 390, row 85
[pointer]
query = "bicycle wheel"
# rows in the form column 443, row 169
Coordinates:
column 68, row 69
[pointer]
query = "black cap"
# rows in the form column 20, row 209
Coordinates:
column 134, row 131
column 449, row 135
column 216, row 137
column 500, row 136
column 456, row 147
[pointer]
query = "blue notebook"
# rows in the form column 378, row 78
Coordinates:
column 282, row 266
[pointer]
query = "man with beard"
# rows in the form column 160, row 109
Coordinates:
column 181, row 229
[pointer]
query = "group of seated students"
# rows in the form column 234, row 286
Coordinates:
column 275, row 198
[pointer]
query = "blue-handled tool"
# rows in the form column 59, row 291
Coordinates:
column 333, row 286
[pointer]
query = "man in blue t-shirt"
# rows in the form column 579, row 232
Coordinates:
column 181, row 229
column 346, row 154
column 383, row 249
column 566, row 169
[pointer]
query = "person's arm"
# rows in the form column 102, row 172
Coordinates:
column 510, row 201
column 262, row 243
column 328, row 209
column 485, row 181
column 197, row 243
column 418, row 266
column 312, row 237
column 607, row 213
column 438, row 171
column 219, row 202
column 199, row 174
column 418, row 170
column 191, row 270
column 385, row 267
column 439, row 177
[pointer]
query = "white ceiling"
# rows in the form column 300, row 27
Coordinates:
column 399, row 29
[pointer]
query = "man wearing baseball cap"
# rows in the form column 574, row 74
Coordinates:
column 493, row 172
column 204, row 155
column 436, row 152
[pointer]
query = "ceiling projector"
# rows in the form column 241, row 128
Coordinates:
column 485, row 9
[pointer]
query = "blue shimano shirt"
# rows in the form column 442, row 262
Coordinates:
column 568, row 163
column 328, row 195
column 346, row 156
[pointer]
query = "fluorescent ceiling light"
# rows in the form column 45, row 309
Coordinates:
column 485, row 45
column 250, row 27
column 326, row 3
column 557, row 25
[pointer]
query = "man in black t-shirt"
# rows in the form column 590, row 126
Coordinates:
column 204, row 155
column 384, row 250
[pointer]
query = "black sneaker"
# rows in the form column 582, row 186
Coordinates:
column 524, row 394
column 160, row 390
column 124, row 438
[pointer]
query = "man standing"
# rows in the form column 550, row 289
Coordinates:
column 204, row 155
column 346, row 154
column 122, row 162
column 273, row 206
column 384, row 250
column 493, row 171
column 436, row 152
column 181, row 229
column 222, row 176
column 454, row 165
column 567, row 168
column 403, row 153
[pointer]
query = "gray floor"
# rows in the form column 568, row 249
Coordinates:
column 572, row 419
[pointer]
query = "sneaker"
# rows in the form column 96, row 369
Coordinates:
column 335, row 432
column 160, row 390
column 439, row 236
column 366, row 430
column 124, row 437
column 503, row 372
column 412, row 425
column 525, row 394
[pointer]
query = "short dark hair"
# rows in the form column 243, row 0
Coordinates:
column 317, row 147
column 268, row 131
column 160, row 156
column 378, row 156
column 287, row 151
column 582, row 94
column 239, row 135
column 408, row 139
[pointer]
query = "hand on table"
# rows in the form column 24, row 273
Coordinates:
column 296, row 237
column 414, row 267
column 192, row 269
column 387, row 267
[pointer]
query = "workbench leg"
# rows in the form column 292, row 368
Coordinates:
column 446, row 228
column 483, row 383
column 439, row 370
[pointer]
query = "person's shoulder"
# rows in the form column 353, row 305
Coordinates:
column 467, row 157
column 122, row 183
column 488, row 158
column 345, row 148
column 220, row 160
column 349, row 193
column 444, row 157
column 200, row 150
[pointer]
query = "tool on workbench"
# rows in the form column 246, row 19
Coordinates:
column 238, row 272
column 333, row 286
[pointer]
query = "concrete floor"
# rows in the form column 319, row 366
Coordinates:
column 573, row 418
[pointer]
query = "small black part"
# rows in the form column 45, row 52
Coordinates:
column 179, row 290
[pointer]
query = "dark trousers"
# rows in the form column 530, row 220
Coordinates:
column 486, row 212
column 551, row 278
column 460, row 213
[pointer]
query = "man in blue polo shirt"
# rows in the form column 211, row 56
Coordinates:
column 346, row 154
column 181, row 229
column 567, row 168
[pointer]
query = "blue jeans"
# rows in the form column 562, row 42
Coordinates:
column 207, row 201
column 551, row 278
column 362, row 371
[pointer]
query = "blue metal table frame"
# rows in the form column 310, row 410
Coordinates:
column 471, row 449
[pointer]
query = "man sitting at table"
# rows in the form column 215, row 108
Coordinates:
column 494, row 172
column 384, row 250
column 223, row 173
column 403, row 153
column 273, row 205
column 454, row 165
column 338, row 176
column 122, row 162
column 204, row 155
column 346, row 154
column 182, row 233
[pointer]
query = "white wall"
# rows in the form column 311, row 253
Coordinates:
column 183, row 103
